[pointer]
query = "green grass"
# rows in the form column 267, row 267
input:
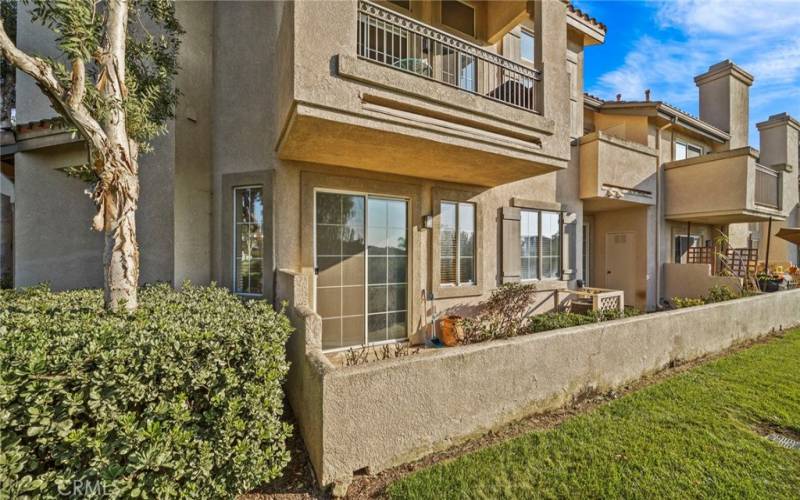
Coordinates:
column 689, row 436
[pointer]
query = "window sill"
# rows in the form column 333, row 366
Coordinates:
column 547, row 285
column 449, row 292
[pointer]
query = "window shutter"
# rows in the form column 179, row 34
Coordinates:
column 569, row 228
column 510, row 245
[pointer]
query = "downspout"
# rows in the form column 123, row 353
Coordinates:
column 659, row 207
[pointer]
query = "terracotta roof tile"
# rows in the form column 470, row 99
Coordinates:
column 586, row 17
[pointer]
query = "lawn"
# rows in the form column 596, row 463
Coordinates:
column 693, row 435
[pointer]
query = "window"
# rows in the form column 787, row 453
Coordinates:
column 458, row 15
column 457, row 243
column 684, row 150
column 682, row 244
column 540, row 235
column 526, row 45
column 248, row 240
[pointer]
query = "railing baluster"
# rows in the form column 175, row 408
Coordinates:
column 448, row 59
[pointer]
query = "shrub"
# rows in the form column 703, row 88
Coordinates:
column 181, row 398
column 507, row 314
column 681, row 302
column 720, row 293
column 503, row 315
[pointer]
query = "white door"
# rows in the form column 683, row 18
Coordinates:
column 621, row 264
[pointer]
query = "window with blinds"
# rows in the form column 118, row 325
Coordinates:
column 457, row 243
column 540, row 240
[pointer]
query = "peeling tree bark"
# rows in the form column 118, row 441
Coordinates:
column 114, row 156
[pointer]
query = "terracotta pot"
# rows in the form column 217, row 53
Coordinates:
column 450, row 330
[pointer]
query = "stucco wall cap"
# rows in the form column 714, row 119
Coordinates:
column 733, row 153
column 722, row 69
column 599, row 135
column 777, row 120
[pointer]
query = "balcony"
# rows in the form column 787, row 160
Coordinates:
column 404, row 44
column 391, row 94
column 723, row 188
column 616, row 173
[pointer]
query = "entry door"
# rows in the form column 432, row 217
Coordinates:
column 621, row 264
column 361, row 257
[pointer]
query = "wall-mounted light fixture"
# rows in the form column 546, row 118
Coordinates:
column 427, row 221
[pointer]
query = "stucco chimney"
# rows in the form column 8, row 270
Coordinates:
column 725, row 100
column 780, row 141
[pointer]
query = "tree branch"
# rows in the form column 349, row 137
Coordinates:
column 69, row 107
column 78, row 88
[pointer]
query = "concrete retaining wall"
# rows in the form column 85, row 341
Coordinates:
column 389, row 412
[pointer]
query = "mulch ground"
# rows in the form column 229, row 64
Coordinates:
column 297, row 481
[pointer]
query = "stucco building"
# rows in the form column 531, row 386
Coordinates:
column 378, row 163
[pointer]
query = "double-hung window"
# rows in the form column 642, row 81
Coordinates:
column 457, row 243
column 540, row 239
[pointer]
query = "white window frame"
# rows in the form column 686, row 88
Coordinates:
column 523, row 33
column 539, row 245
column 687, row 147
column 234, row 277
column 458, row 282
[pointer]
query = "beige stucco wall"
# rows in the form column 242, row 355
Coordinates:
column 245, row 127
column 193, row 154
column 694, row 280
column 450, row 394
column 637, row 220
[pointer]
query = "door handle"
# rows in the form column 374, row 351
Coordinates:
column 608, row 272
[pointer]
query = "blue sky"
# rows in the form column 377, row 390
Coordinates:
column 663, row 44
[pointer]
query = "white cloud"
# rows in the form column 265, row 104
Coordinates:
column 688, row 36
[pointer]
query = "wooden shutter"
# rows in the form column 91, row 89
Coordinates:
column 510, row 245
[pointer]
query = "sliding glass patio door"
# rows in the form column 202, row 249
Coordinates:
column 361, row 257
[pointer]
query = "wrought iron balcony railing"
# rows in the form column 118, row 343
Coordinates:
column 405, row 44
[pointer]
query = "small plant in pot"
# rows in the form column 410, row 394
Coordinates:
column 767, row 283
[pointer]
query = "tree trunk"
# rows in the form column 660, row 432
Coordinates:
column 121, row 255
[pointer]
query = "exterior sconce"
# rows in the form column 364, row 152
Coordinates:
column 427, row 221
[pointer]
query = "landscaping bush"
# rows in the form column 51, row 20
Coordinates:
column 507, row 314
column 718, row 293
column 181, row 398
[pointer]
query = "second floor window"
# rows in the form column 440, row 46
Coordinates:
column 526, row 46
column 684, row 150
column 457, row 243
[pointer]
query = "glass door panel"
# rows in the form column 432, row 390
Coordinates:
column 387, row 271
column 340, row 254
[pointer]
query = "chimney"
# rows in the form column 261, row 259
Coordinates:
column 619, row 97
column 725, row 100
column 647, row 95
column 780, row 141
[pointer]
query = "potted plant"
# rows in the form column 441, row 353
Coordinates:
column 451, row 332
column 767, row 283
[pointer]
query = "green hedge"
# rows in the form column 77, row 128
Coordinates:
column 181, row 398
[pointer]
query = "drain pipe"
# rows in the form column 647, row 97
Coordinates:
column 659, row 207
